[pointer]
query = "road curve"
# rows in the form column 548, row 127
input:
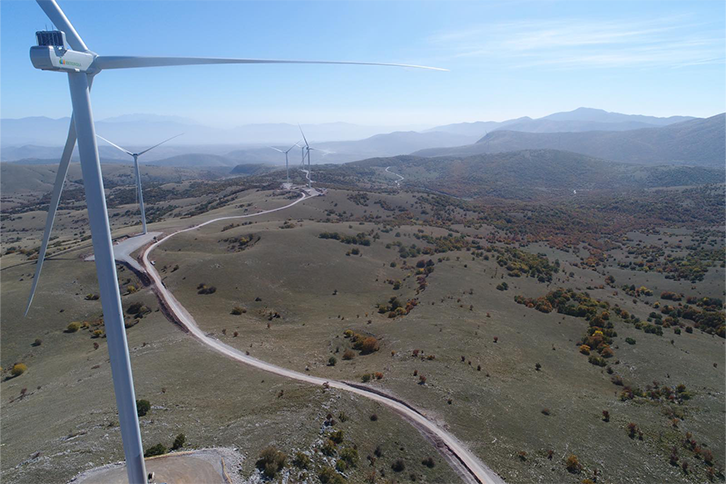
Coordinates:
column 400, row 178
column 464, row 462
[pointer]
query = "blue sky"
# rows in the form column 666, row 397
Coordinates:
column 507, row 59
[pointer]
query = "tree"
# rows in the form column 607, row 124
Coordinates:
column 179, row 442
column 157, row 449
column 332, row 361
column 142, row 407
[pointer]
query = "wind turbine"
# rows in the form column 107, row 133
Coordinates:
column 139, row 193
column 306, row 152
column 287, row 166
column 64, row 51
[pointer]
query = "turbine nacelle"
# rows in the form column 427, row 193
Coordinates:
column 51, row 54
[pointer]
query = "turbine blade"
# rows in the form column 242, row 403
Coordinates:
column 303, row 135
column 272, row 147
column 60, row 178
column 61, row 22
column 129, row 62
column 149, row 149
column 115, row 145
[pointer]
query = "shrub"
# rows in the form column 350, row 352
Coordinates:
column 179, row 442
column 572, row 464
column 328, row 448
column 328, row 475
column 350, row 456
column 398, row 465
column 348, row 355
column 605, row 416
column 630, row 341
column 503, row 286
column 366, row 378
column 374, row 417
column 73, row 327
column 37, row 342
column 632, row 429
column 301, row 461
column 142, row 407
column 332, row 361
column 18, row 369
column 429, row 462
column 585, row 350
column 135, row 308
column 596, row 360
column 271, row 462
column 369, row 345
column 157, row 449
column 607, row 352
column 337, row 436
column 237, row 310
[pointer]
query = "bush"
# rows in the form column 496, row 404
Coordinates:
column 73, row 327
column 366, row 378
column 429, row 462
column 271, row 462
column 337, row 437
column 585, row 350
column 37, row 342
column 142, row 407
column 328, row 448
column 630, row 341
column 332, row 361
column 596, row 360
column 348, row 355
column 18, row 369
column 328, row 476
column 398, row 465
column 237, row 310
column 369, row 345
column 350, row 456
column 503, row 286
column 179, row 442
column 301, row 461
column 135, row 308
column 572, row 464
column 157, row 449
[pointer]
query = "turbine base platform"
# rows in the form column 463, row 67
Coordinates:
column 212, row 466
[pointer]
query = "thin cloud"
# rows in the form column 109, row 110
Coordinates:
column 660, row 42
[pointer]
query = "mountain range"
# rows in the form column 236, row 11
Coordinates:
column 613, row 136
column 693, row 142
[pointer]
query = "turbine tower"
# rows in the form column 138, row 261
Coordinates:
column 63, row 50
column 139, row 193
column 306, row 152
column 287, row 166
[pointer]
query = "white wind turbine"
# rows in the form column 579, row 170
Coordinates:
column 306, row 152
column 139, row 192
column 287, row 166
column 64, row 51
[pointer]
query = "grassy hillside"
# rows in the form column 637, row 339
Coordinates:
column 533, row 173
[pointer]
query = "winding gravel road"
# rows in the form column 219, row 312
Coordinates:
column 469, row 467
column 400, row 178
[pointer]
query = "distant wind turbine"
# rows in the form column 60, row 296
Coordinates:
column 64, row 51
column 139, row 193
column 306, row 152
column 287, row 166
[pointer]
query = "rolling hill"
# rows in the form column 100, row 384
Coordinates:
column 698, row 142
column 529, row 174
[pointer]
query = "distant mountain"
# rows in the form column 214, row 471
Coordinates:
column 581, row 119
column 197, row 160
column 695, row 142
column 250, row 169
column 531, row 173
column 137, row 131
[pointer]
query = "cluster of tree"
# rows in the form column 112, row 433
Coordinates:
column 518, row 263
column 361, row 238
column 240, row 243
